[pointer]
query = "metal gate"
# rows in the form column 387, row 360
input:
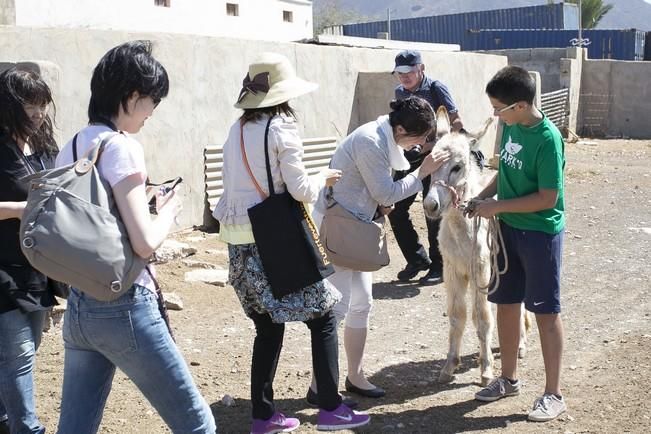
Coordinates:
column 316, row 156
column 556, row 106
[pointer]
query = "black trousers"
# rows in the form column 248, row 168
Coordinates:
column 266, row 352
column 407, row 237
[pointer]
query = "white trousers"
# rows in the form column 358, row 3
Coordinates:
column 356, row 289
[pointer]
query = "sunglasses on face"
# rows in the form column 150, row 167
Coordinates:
column 503, row 109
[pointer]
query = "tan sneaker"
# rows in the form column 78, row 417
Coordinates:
column 498, row 388
column 547, row 407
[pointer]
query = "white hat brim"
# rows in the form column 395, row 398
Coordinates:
column 279, row 93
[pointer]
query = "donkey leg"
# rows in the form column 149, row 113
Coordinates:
column 456, row 287
column 483, row 319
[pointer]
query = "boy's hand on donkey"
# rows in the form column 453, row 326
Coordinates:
column 477, row 207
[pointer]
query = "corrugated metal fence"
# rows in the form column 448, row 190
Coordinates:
column 450, row 29
column 556, row 106
column 544, row 26
column 316, row 157
column 604, row 44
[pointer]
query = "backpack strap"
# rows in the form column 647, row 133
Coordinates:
column 91, row 157
column 74, row 148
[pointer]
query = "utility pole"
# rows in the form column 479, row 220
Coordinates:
column 389, row 22
column 580, row 25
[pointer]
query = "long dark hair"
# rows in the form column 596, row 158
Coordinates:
column 17, row 89
column 414, row 114
column 125, row 69
column 259, row 113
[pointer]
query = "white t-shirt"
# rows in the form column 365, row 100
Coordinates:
column 122, row 156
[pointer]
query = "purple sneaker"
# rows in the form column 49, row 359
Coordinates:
column 341, row 417
column 276, row 423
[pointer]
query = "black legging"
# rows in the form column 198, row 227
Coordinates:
column 266, row 352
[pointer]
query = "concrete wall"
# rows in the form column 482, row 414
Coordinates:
column 258, row 19
column 615, row 99
column 571, row 69
column 199, row 109
column 7, row 12
column 544, row 60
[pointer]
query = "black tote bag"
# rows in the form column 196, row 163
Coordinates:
column 287, row 238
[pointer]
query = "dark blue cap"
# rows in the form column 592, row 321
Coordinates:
column 406, row 60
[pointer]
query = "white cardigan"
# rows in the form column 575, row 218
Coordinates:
column 287, row 169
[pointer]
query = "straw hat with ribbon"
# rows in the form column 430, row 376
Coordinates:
column 271, row 80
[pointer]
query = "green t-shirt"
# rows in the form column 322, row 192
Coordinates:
column 532, row 158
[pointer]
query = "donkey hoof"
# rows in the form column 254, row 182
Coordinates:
column 522, row 352
column 446, row 378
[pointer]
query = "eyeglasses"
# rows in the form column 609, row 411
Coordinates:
column 503, row 109
column 32, row 109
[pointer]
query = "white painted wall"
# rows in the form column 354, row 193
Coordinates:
column 258, row 19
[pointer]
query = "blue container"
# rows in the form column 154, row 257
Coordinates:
column 452, row 28
column 604, row 44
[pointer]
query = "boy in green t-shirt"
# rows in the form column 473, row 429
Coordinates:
column 530, row 208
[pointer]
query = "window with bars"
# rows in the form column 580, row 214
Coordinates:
column 232, row 9
column 288, row 16
column 164, row 3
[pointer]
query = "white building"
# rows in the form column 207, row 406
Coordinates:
column 274, row 20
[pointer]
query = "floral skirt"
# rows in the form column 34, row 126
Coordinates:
column 247, row 276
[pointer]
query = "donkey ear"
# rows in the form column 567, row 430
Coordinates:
column 479, row 134
column 442, row 122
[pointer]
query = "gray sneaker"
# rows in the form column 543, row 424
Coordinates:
column 547, row 407
column 499, row 388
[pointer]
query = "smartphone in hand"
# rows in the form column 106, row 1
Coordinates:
column 165, row 188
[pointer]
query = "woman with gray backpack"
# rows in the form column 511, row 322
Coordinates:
column 128, row 332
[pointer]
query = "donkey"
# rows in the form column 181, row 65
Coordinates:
column 456, row 182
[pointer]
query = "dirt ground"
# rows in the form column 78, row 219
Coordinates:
column 607, row 316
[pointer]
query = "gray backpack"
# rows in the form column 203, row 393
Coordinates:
column 71, row 229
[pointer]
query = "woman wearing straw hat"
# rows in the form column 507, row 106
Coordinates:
column 269, row 85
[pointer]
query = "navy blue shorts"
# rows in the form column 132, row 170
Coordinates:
column 534, row 274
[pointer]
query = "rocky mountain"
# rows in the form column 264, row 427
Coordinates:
column 625, row 14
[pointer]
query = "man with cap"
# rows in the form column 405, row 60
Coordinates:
column 410, row 71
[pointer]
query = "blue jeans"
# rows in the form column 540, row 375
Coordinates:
column 129, row 334
column 20, row 336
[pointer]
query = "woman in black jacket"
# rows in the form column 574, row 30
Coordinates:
column 26, row 146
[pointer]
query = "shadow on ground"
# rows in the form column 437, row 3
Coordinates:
column 403, row 382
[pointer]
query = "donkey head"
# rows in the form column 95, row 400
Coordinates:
column 453, row 181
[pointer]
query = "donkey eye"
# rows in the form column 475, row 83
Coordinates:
column 456, row 168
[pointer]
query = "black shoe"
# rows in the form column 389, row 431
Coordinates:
column 431, row 278
column 312, row 399
column 377, row 392
column 411, row 270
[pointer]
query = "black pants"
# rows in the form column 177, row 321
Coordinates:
column 266, row 352
column 407, row 237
